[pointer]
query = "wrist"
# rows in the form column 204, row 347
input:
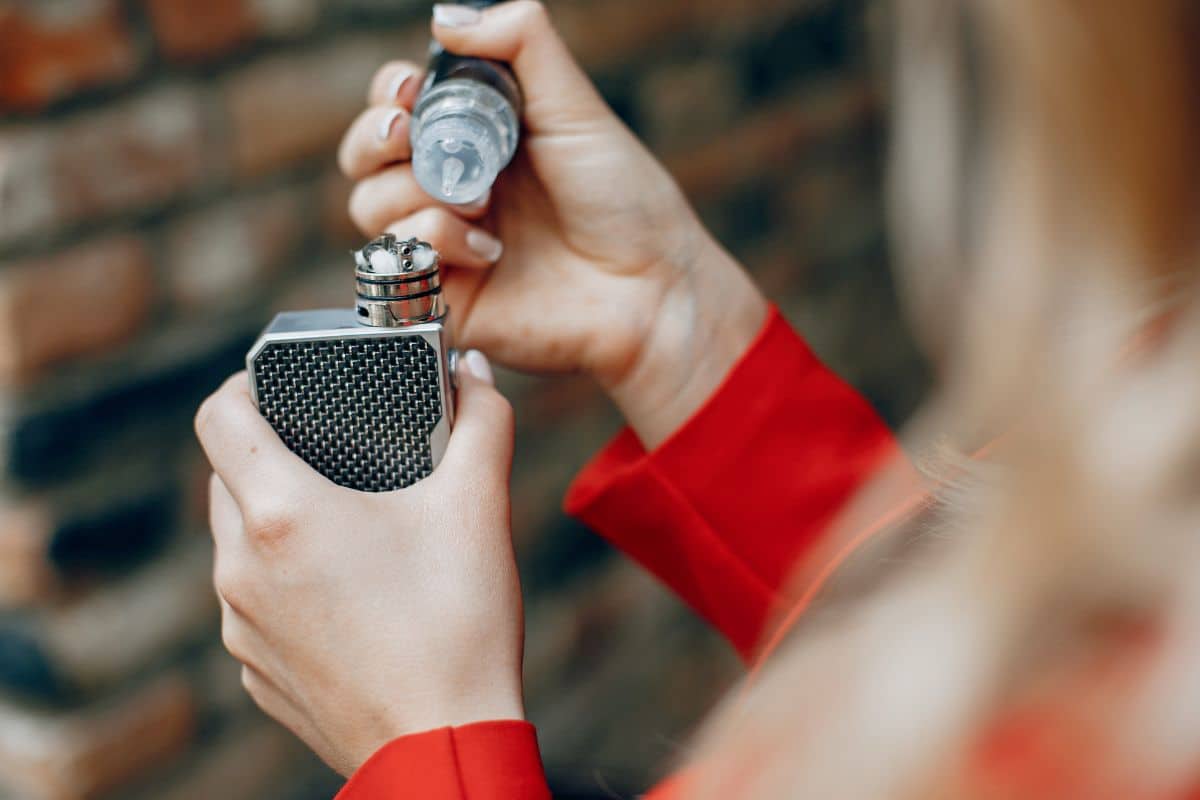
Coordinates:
column 485, row 704
column 706, row 316
column 481, row 704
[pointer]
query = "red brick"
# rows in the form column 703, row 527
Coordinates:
column 195, row 29
column 191, row 30
column 25, row 571
column 73, row 303
column 217, row 258
column 83, row 753
column 100, row 523
column 127, row 157
column 49, row 53
column 294, row 108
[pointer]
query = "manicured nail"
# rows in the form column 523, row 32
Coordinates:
column 452, row 15
column 387, row 125
column 478, row 365
column 484, row 245
column 397, row 84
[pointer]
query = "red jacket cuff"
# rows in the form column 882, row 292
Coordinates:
column 724, row 510
column 481, row 761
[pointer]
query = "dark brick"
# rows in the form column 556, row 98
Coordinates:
column 814, row 42
column 61, row 433
column 197, row 30
column 91, row 530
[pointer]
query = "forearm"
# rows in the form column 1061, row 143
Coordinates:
column 708, row 314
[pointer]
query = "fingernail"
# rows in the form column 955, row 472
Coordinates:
column 452, row 15
column 484, row 245
column 478, row 364
column 388, row 124
column 397, row 84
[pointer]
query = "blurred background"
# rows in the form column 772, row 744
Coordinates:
column 167, row 182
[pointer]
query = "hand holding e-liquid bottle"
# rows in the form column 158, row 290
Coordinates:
column 585, row 256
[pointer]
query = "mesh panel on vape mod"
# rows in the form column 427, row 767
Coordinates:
column 364, row 395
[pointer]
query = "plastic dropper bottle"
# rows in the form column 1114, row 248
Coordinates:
column 465, row 124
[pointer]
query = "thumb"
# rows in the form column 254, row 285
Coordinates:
column 556, row 90
column 481, row 443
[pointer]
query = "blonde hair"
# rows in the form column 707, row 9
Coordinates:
column 1045, row 640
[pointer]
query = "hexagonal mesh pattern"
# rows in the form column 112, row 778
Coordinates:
column 358, row 409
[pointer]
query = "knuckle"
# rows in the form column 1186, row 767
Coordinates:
column 237, row 382
column 497, row 408
column 381, row 74
column 359, row 205
column 219, row 404
column 343, row 154
column 231, row 640
column 384, row 75
column 253, row 687
column 214, row 485
column 231, row 584
column 427, row 224
column 203, row 418
column 270, row 524
column 532, row 13
column 206, row 415
column 355, row 142
column 434, row 223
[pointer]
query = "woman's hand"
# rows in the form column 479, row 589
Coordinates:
column 362, row 617
column 603, row 266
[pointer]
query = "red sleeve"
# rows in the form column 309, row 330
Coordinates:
column 483, row 761
column 724, row 510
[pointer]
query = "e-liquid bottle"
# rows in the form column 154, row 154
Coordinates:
column 465, row 124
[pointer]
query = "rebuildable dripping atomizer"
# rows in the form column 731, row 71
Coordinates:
column 364, row 394
column 465, row 124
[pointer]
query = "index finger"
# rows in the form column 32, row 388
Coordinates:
column 396, row 83
column 242, row 447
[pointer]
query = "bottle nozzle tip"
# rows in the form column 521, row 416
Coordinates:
column 452, row 172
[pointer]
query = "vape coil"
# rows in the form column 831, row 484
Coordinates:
column 398, row 282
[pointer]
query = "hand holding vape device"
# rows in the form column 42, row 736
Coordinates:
column 465, row 124
column 364, row 394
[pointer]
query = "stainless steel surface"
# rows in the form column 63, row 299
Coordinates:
column 398, row 282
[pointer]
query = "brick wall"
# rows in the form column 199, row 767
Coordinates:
column 167, row 181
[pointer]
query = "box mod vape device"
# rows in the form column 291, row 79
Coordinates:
column 364, row 394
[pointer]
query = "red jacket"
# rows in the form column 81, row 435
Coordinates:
column 723, row 513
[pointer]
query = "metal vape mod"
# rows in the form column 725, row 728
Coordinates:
column 364, row 394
